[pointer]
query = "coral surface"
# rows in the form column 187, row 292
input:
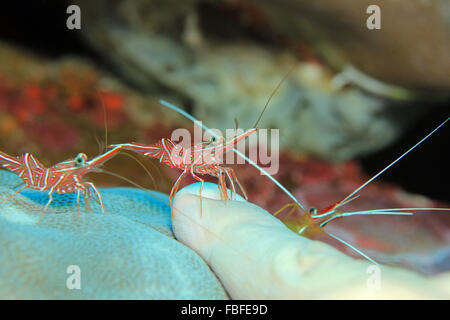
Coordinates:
column 129, row 252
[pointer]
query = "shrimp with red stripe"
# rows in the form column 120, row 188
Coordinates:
column 204, row 158
column 199, row 159
column 313, row 221
column 63, row 177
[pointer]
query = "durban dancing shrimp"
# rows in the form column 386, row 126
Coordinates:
column 205, row 157
column 63, row 177
column 201, row 158
column 313, row 221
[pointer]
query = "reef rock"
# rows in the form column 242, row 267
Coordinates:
column 203, row 56
column 410, row 49
column 129, row 252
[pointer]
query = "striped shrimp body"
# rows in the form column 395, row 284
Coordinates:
column 313, row 221
column 63, row 177
column 200, row 159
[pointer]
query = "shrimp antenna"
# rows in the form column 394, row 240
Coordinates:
column 187, row 115
column 353, row 248
column 122, row 178
column 392, row 211
column 395, row 161
column 13, row 195
column 236, row 123
column 99, row 144
column 143, row 167
column 105, row 121
column 367, row 212
column 271, row 96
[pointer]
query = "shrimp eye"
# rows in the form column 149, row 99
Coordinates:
column 212, row 139
column 313, row 210
column 80, row 160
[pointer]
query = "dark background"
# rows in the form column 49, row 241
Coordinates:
column 40, row 27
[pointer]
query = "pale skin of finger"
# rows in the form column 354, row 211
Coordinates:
column 257, row 257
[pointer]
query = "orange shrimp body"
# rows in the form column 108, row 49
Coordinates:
column 312, row 222
column 309, row 224
column 63, row 177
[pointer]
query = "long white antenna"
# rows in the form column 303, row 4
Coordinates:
column 190, row 117
column 353, row 248
column 395, row 161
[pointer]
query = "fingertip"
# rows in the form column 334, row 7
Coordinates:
column 209, row 191
column 190, row 220
column 197, row 220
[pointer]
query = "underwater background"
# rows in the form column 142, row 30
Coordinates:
column 353, row 101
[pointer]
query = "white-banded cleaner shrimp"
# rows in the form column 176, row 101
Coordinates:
column 191, row 161
column 231, row 146
column 313, row 221
column 203, row 158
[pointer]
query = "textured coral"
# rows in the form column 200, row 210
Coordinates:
column 127, row 253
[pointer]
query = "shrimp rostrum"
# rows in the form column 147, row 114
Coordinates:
column 63, row 177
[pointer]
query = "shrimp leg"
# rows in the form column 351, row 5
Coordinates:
column 175, row 188
column 201, row 187
column 14, row 194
